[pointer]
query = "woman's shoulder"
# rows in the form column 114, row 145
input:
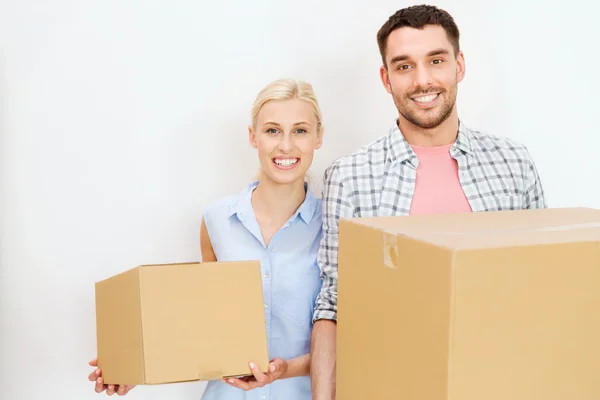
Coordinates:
column 224, row 206
column 318, row 205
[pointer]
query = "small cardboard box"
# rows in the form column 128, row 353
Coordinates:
column 181, row 322
column 494, row 306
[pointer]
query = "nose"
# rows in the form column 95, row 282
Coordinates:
column 422, row 78
column 285, row 144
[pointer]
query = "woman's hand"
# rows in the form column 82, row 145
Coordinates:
column 277, row 368
column 96, row 376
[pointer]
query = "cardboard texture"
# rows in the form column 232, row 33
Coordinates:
column 494, row 306
column 181, row 322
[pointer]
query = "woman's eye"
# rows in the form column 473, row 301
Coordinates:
column 271, row 130
column 300, row 131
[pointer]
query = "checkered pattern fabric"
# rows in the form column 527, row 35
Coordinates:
column 379, row 180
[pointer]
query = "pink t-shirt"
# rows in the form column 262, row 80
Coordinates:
column 438, row 189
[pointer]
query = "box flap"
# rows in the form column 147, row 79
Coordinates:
column 494, row 229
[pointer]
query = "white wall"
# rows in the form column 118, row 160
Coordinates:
column 122, row 119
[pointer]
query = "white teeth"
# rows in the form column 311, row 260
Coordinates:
column 425, row 99
column 286, row 162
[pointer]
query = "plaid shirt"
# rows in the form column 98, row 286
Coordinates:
column 379, row 180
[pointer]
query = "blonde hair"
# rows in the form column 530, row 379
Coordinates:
column 287, row 89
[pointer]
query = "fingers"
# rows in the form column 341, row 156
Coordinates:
column 100, row 386
column 111, row 390
column 95, row 375
column 128, row 388
column 123, row 389
column 120, row 390
column 242, row 384
column 260, row 377
column 277, row 368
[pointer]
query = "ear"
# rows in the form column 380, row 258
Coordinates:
column 385, row 78
column 461, row 67
column 252, row 137
column 319, row 140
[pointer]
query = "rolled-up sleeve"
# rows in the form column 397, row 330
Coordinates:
column 337, row 204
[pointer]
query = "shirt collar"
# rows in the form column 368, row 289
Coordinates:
column 308, row 207
column 401, row 151
column 242, row 206
column 463, row 141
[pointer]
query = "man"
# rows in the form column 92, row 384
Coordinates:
column 429, row 162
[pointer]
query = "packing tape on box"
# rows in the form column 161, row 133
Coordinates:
column 209, row 372
column 390, row 250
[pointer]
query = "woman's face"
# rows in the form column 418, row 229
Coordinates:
column 286, row 138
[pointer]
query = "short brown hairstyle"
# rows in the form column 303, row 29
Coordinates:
column 417, row 17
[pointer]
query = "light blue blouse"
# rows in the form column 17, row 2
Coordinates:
column 290, row 281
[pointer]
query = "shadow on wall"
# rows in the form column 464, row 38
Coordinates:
column 8, row 239
column 5, row 165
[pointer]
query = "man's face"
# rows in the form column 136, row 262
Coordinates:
column 422, row 74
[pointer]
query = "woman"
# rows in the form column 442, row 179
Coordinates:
column 276, row 220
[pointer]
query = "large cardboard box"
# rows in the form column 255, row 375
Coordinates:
column 494, row 306
column 181, row 322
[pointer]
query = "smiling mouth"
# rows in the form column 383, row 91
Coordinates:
column 286, row 163
column 426, row 100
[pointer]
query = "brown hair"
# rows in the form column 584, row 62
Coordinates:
column 417, row 17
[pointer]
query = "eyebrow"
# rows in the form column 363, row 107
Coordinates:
column 296, row 124
column 432, row 53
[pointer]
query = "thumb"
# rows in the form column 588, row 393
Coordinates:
column 276, row 365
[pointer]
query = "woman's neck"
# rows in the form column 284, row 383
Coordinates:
column 273, row 202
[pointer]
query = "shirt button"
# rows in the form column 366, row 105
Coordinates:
column 266, row 276
column 263, row 397
column 266, row 306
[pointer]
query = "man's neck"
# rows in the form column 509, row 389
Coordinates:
column 444, row 134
